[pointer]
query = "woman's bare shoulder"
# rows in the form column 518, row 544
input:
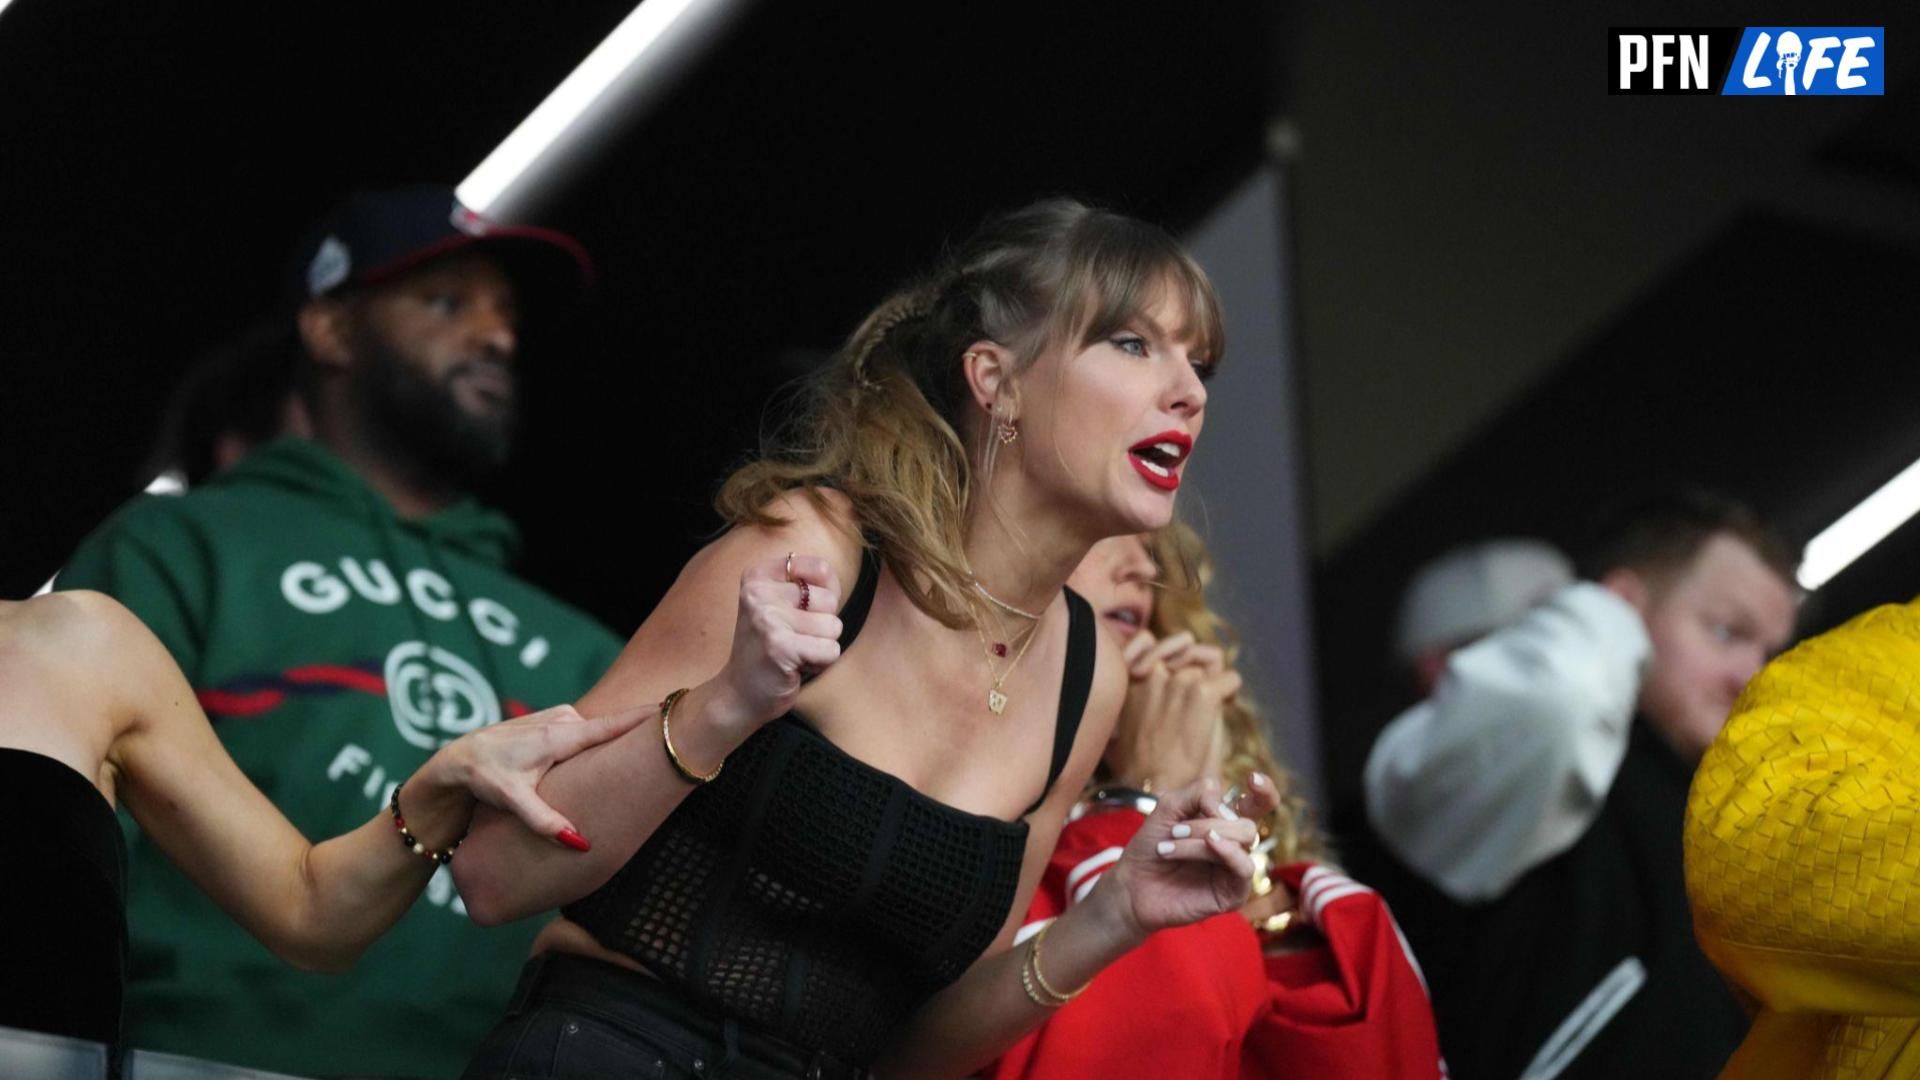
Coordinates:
column 821, row 514
column 72, row 627
column 62, row 656
column 806, row 521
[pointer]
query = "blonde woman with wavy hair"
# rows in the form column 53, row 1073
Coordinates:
column 1310, row 976
column 1188, row 642
column 878, row 699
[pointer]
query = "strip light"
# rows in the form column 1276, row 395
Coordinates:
column 557, row 117
column 564, row 108
column 1857, row 530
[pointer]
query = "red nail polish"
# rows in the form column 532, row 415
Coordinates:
column 573, row 840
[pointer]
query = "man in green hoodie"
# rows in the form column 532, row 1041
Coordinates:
column 343, row 607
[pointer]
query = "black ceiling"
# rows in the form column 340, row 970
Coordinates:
column 159, row 158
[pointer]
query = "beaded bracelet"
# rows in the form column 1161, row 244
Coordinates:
column 407, row 839
column 666, row 736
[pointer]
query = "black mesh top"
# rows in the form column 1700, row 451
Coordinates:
column 815, row 896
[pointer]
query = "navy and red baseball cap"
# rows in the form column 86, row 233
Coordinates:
column 374, row 236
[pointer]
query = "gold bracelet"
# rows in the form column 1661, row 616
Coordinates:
column 1033, row 964
column 666, row 736
column 1026, row 983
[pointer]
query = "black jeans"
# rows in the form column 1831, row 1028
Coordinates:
column 572, row 1018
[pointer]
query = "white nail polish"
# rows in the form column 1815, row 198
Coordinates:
column 1227, row 812
column 1165, row 847
column 1181, row 832
column 1213, row 834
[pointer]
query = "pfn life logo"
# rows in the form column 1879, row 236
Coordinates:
column 1749, row 61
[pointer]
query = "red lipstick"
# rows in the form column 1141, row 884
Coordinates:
column 1157, row 458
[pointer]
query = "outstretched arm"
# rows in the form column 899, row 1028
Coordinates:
column 1204, row 870
column 1188, row 862
column 317, row 906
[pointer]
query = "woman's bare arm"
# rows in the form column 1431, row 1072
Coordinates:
column 710, row 621
column 316, row 906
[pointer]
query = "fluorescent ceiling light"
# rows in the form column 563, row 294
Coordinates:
column 4, row 3
column 563, row 109
column 171, row 482
column 1857, row 530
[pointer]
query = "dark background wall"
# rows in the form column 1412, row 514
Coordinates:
column 1473, row 207
column 1520, row 298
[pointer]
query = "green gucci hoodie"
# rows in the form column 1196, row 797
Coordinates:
column 334, row 646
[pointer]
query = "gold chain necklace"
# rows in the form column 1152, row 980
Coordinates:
column 996, row 698
column 1002, row 604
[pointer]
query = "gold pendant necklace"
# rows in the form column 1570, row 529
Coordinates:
column 996, row 699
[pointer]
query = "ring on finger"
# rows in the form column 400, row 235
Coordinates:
column 806, row 596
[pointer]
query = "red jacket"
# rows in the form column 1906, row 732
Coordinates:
column 1203, row 1002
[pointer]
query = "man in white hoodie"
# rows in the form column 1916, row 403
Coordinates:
column 1534, row 801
